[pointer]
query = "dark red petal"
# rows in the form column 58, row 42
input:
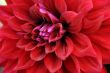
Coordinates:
column 60, row 5
column 38, row 53
column 68, row 16
column 22, row 43
column 102, row 42
column 30, row 46
column 50, row 47
column 35, row 13
column 39, row 67
column 83, row 46
column 63, row 48
column 24, row 61
column 22, row 12
column 52, row 63
column 92, row 25
column 15, row 23
column 27, row 27
column 72, row 65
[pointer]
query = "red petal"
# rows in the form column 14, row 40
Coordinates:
column 60, row 5
column 64, row 49
column 24, row 61
column 9, row 67
column 92, row 25
column 102, row 42
column 38, row 53
column 72, row 65
column 39, row 67
column 90, row 64
column 15, row 23
column 22, row 12
column 22, row 43
column 6, row 32
column 11, row 51
column 76, row 24
column 68, row 14
column 27, row 2
column 82, row 49
column 85, row 6
column 30, row 46
column 49, row 48
column 27, row 27
column 104, row 70
column 52, row 63
column 72, row 5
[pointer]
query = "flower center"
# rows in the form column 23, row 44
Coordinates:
column 48, row 32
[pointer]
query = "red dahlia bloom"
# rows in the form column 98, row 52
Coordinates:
column 55, row 36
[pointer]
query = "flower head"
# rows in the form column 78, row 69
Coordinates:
column 54, row 36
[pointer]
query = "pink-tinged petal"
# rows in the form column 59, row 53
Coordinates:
column 50, row 47
column 52, row 62
column 38, row 53
column 9, row 53
column 85, row 6
column 27, row 27
column 90, row 64
column 63, row 48
column 22, row 12
column 72, row 65
column 22, row 43
column 26, row 2
column 15, row 23
column 24, row 61
column 30, row 46
column 76, row 24
column 9, row 67
column 102, row 42
column 60, row 6
column 39, row 67
column 91, row 26
column 82, row 46
column 68, row 16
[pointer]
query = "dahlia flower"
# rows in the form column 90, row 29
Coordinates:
column 55, row 36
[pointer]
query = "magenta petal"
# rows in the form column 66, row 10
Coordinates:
column 38, row 53
column 52, row 63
